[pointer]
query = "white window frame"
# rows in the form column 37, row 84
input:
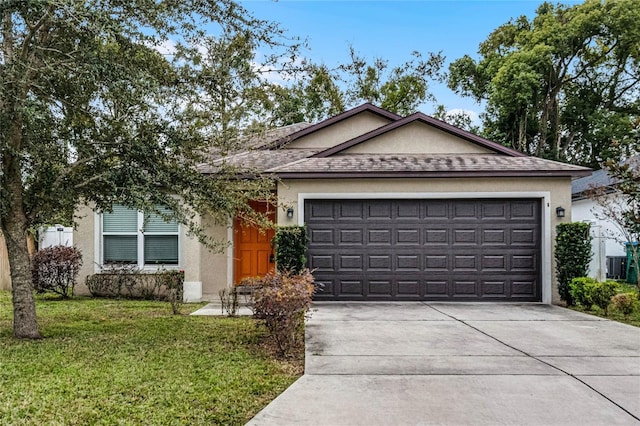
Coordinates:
column 140, row 234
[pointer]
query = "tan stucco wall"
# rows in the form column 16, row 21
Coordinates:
column 83, row 239
column 214, row 264
column 558, row 189
column 416, row 138
column 340, row 132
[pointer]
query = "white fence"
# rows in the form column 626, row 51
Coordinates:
column 55, row 236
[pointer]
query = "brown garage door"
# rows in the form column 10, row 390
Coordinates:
column 425, row 249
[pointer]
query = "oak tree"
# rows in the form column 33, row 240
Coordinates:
column 561, row 85
column 93, row 108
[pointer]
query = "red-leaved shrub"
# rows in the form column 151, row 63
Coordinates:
column 55, row 269
column 282, row 301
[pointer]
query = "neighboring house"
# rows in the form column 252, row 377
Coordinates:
column 396, row 208
column 609, row 253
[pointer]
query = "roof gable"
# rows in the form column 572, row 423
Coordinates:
column 456, row 140
column 337, row 129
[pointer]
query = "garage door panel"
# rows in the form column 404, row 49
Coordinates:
column 436, row 263
column 436, row 211
column 407, row 237
column 436, row 237
column 465, row 263
column 524, row 210
column 465, row 237
column 437, row 289
column 493, row 288
column 379, row 237
column 494, row 211
column 352, row 288
column 426, row 249
column 494, row 237
column 408, row 262
column 348, row 237
column 524, row 237
column 321, row 237
column 465, row 210
column 407, row 210
column 494, row 262
column 379, row 211
column 379, row 262
column 350, row 211
column 408, row 289
column 350, row 263
column 464, row 288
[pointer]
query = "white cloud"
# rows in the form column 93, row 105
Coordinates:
column 473, row 115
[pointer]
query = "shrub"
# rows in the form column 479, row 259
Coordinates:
column 172, row 282
column 291, row 248
column 625, row 303
column 282, row 302
column 600, row 294
column 229, row 301
column 577, row 290
column 131, row 283
column 572, row 254
column 55, row 269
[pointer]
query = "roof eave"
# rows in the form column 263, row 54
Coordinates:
column 428, row 174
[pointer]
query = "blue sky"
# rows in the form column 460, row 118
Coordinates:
column 393, row 29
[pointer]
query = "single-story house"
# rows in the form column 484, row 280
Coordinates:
column 609, row 253
column 396, row 208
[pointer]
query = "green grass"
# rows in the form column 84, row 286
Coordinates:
column 612, row 314
column 131, row 362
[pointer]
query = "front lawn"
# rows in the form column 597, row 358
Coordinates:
column 108, row 361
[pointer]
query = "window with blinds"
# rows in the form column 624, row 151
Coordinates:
column 129, row 237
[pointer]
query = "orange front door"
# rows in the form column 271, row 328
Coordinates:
column 253, row 255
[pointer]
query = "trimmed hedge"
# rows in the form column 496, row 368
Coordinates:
column 291, row 248
column 572, row 254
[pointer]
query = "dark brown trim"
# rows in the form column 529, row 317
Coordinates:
column 432, row 174
column 336, row 119
column 418, row 116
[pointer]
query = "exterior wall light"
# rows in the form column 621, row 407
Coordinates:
column 290, row 213
column 560, row 211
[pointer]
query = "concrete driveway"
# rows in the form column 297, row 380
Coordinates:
column 462, row 364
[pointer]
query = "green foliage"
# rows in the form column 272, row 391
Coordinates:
column 563, row 85
column 114, row 361
column 55, row 269
column 600, row 293
column 321, row 92
column 577, row 290
column 282, row 302
column 291, row 248
column 588, row 292
column 625, row 303
column 572, row 255
column 94, row 110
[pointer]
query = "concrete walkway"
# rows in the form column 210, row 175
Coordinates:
column 462, row 364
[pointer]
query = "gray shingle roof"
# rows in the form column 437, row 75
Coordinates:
column 599, row 179
column 259, row 160
column 427, row 164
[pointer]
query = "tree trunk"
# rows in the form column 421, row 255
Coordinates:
column 25, row 324
column 15, row 229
